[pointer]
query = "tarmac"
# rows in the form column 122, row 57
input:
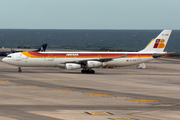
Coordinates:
column 123, row 93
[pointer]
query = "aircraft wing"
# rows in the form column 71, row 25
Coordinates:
column 96, row 59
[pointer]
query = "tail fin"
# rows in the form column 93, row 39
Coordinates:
column 41, row 49
column 159, row 43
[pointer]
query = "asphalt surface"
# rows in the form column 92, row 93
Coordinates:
column 123, row 93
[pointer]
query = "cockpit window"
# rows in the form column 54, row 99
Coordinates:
column 9, row 56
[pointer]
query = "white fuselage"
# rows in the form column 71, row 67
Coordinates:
column 21, row 60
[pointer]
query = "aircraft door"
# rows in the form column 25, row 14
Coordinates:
column 49, row 58
column 138, row 57
column 24, row 58
column 17, row 57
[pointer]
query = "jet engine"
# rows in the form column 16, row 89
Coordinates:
column 94, row 64
column 71, row 66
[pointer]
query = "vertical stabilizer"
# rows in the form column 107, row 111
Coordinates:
column 41, row 49
column 159, row 43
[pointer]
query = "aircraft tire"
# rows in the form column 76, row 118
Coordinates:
column 88, row 71
column 92, row 71
column 19, row 71
column 83, row 71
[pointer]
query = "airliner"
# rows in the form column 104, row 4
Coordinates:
column 89, row 60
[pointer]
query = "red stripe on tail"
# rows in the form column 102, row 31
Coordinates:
column 156, row 43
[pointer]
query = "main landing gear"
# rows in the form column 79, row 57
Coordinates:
column 87, row 71
column 19, row 69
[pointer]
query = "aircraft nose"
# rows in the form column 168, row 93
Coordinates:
column 4, row 59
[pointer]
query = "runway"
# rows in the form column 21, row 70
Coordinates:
column 123, row 93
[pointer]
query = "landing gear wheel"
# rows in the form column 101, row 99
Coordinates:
column 87, row 71
column 19, row 70
column 83, row 71
column 92, row 71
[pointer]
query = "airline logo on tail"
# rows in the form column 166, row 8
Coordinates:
column 159, row 43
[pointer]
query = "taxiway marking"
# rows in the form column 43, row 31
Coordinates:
column 5, row 81
column 99, row 113
column 28, row 85
column 60, row 90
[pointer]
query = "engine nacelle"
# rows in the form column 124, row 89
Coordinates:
column 71, row 66
column 94, row 64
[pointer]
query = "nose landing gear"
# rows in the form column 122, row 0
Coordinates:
column 19, row 69
column 87, row 71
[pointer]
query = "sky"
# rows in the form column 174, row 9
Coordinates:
column 90, row 14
